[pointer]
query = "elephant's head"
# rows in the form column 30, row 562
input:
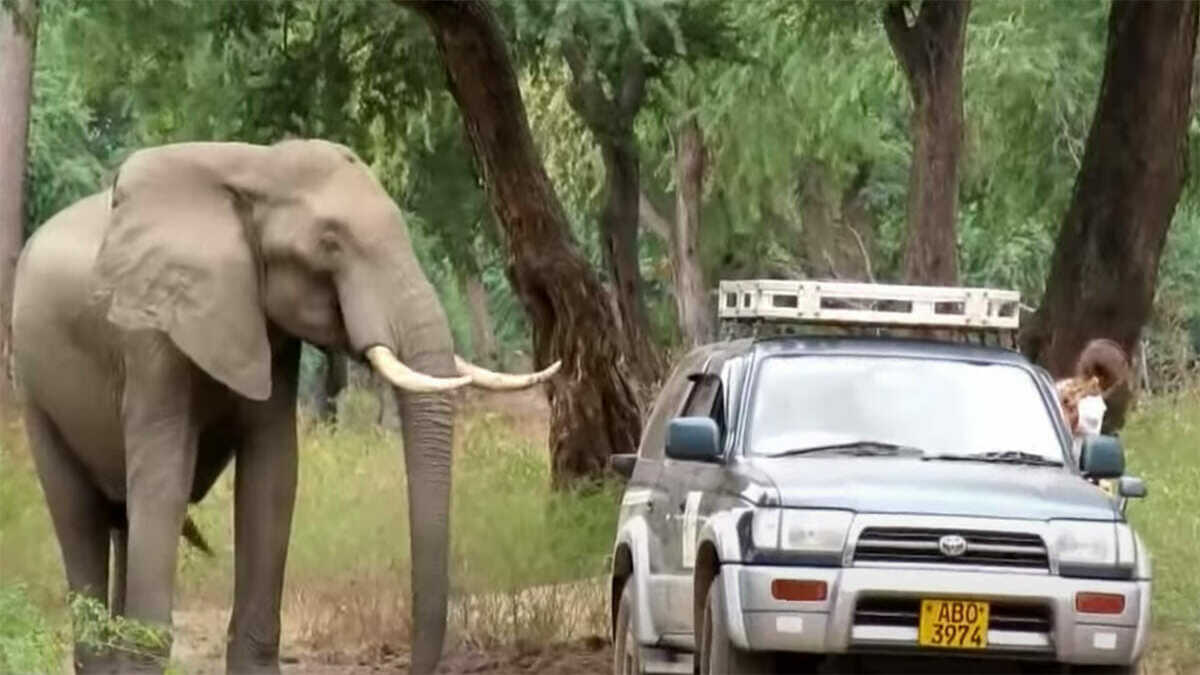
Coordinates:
column 221, row 245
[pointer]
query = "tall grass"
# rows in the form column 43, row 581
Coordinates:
column 1162, row 446
column 525, row 561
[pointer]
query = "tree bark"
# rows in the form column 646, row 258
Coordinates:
column 593, row 409
column 1105, row 265
column 389, row 408
column 18, row 38
column 930, row 52
column 483, row 337
column 691, row 293
column 619, row 243
column 610, row 120
column 333, row 381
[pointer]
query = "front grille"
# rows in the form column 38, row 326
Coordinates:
column 907, row 611
column 919, row 545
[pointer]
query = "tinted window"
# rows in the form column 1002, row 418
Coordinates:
column 666, row 406
column 707, row 399
column 937, row 406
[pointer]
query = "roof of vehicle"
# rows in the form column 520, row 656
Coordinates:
column 869, row 345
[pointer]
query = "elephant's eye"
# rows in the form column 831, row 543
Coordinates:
column 329, row 243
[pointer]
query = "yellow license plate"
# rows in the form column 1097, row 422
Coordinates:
column 953, row 624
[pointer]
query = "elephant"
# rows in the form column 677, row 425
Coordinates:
column 157, row 330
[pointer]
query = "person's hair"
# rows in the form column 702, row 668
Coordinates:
column 1104, row 360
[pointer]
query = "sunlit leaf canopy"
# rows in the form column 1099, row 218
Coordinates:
column 781, row 89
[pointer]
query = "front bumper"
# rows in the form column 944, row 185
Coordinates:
column 758, row 621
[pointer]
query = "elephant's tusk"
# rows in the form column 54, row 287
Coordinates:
column 403, row 377
column 487, row 379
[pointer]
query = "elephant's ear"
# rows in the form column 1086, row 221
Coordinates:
column 177, row 257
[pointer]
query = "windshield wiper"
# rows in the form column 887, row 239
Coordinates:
column 1000, row 456
column 854, row 449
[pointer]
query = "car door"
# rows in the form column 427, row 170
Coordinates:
column 687, row 494
column 654, row 488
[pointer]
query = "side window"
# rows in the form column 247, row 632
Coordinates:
column 666, row 406
column 707, row 399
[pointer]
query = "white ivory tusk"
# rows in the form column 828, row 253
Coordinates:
column 488, row 379
column 403, row 377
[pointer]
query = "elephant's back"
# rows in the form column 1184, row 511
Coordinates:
column 65, row 353
column 55, row 267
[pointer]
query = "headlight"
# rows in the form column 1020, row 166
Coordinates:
column 801, row 530
column 1088, row 549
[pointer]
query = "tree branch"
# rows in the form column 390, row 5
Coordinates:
column 862, row 247
column 901, row 38
column 633, row 86
column 584, row 92
column 652, row 219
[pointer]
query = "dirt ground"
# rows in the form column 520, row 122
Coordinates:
column 200, row 650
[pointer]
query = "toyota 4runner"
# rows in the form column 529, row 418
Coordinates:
column 816, row 495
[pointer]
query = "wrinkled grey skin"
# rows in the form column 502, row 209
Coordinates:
column 157, row 333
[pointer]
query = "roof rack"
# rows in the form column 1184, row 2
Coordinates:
column 863, row 304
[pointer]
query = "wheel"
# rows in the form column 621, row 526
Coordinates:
column 625, row 646
column 718, row 655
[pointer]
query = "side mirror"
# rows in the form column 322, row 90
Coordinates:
column 694, row 439
column 623, row 463
column 1130, row 487
column 1102, row 457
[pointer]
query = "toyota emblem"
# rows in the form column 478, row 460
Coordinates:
column 952, row 545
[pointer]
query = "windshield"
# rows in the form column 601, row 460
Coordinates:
column 941, row 407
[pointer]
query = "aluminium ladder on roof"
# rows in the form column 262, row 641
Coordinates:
column 779, row 303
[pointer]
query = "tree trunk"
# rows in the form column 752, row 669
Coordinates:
column 610, row 118
column 333, row 382
column 619, row 242
column 1103, row 273
column 389, row 407
column 930, row 53
column 18, row 36
column 483, row 337
column 593, row 410
column 691, row 293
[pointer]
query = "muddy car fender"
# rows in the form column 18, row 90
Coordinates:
column 634, row 537
column 723, row 534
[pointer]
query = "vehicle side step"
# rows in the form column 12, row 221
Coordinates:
column 665, row 661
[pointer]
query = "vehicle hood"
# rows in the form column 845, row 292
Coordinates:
column 910, row 485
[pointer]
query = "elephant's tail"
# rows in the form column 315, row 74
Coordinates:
column 192, row 534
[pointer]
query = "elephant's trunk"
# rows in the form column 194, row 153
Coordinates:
column 428, row 434
column 394, row 306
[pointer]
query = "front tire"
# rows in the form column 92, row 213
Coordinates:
column 626, row 658
column 718, row 655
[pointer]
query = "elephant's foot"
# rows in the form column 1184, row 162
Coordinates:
column 247, row 656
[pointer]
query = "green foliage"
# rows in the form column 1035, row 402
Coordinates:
column 94, row 626
column 1159, row 443
column 67, row 154
column 777, row 85
column 28, row 642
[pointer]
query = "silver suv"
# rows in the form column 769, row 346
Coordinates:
column 799, row 497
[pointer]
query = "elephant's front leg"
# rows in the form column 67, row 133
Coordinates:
column 264, row 494
column 160, row 460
